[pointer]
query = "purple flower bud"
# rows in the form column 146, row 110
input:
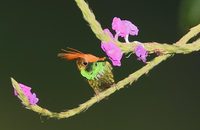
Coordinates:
column 113, row 51
column 27, row 92
column 141, row 53
column 124, row 28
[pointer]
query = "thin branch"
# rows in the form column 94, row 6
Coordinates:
column 193, row 32
column 164, row 47
column 82, row 107
column 168, row 50
column 129, row 47
column 90, row 18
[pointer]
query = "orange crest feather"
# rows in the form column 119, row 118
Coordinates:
column 73, row 54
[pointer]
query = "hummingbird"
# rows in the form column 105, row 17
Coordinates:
column 95, row 70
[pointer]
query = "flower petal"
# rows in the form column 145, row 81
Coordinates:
column 27, row 92
column 113, row 52
column 141, row 52
column 124, row 27
column 107, row 31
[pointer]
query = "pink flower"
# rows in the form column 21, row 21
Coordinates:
column 141, row 52
column 27, row 92
column 113, row 51
column 107, row 31
column 124, row 28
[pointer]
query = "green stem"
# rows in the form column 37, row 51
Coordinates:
column 168, row 50
column 121, row 84
column 193, row 32
column 129, row 47
column 164, row 48
column 90, row 18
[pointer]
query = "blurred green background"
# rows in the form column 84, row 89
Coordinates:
column 33, row 32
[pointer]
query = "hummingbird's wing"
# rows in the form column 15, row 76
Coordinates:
column 103, row 80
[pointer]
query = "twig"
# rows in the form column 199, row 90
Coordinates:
column 129, row 47
column 90, row 18
column 193, row 32
column 167, row 51
column 121, row 84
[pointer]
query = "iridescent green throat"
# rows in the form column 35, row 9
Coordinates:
column 93, row 70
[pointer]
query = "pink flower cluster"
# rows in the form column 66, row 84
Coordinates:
column 123, row 28
column 113, row 51
column 141, row 53
column 27, row 92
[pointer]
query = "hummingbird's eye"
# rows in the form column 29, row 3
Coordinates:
column 85, row 63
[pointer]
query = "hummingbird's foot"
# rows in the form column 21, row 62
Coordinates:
column 97, row 95
column 114, row 85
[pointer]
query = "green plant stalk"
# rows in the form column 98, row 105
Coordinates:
column 82, row 107
column 166, row 49
column 129, row 47
column 90, row 18
column 192, row 33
